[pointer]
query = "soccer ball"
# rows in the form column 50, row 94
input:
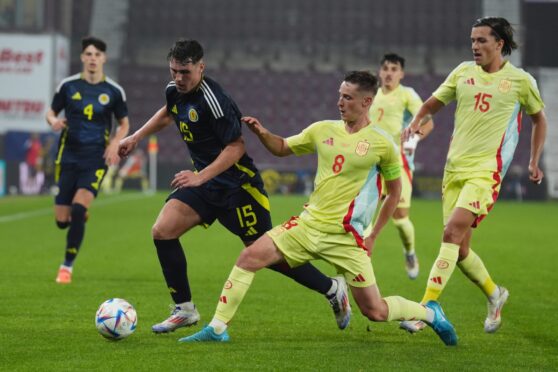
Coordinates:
column 116, row 319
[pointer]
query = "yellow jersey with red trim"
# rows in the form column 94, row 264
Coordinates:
column 346, row 187
column 488, row 115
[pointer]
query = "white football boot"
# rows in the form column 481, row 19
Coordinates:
column 179, row 318
column 493, row 320
column 411, row 265
column 339, row 302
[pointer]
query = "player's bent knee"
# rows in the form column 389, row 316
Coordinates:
column 160, row 232
column 252, row 259
column 62, row 224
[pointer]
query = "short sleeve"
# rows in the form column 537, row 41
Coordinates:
column 414, row 101
column 530, row 96
column 303, row 143
column 227, row 125
column 120, row 106
column 446, row 92
column 59, row 100
column 390, row 166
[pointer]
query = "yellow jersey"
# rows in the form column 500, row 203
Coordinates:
column 346, row 187
column 393, row 112
column 488, row 115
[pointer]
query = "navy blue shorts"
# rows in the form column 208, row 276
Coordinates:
column 244, row 211
column 71, row 177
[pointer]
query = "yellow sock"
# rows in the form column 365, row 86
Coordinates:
column 473, row 267
column 441, row 271
column 400, row 308
column 406, row 233
column 233, row 292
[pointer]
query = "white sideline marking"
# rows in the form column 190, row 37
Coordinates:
column 45, row 211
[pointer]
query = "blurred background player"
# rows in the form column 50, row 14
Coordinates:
column 225, row 185
column 89, row 99
column 351, row 155
column 490, row 94
column 133, row 168
column 393, row 108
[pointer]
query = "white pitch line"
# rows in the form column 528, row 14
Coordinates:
column 45, row 211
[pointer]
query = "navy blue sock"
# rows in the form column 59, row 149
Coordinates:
column 75, row 233
column 173, row 262
column 307, row 275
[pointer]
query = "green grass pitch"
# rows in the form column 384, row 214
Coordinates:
column 280, row 326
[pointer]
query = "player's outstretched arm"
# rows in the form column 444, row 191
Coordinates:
column 423, row 117
column 538, row 136
column 386, row 211
column 275, row 144
column 158, row 121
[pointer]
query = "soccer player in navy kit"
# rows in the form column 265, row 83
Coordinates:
column 225, row 184
column 85, row 149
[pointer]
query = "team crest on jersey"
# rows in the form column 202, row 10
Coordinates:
column 193, row 115
column 104, row 99
column 362, row 148
column 504, row 86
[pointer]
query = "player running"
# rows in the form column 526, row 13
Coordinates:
column 88, row 99
column 393, row 108
column 491, row 94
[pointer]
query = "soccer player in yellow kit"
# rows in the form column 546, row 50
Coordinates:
column 491, row 94
column 351, row 156
column 393, row 108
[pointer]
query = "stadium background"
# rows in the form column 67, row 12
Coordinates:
column 282, row 62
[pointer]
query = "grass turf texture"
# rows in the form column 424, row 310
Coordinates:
column 280, row 325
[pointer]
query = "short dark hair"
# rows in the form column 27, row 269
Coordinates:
column 393, row 58
column 501, row 29
column 96, row 42
column 186, row 51
column 365, row 80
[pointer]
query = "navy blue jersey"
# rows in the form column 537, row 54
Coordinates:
column 88, row 109
column 208, row 120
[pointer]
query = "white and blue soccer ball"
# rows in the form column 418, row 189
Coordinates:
column 116, row 319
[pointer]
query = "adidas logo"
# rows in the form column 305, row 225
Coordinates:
column 470, row 81
column 223, row 299
column 251, row 232
column 437, row 279
column 359, row 278
column 174, row 110
column 475, row 204
column 328, row 141
column 76, row 96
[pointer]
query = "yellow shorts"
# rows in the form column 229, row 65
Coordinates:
column 474, row 191
column 300, row 243
column 406, row 188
